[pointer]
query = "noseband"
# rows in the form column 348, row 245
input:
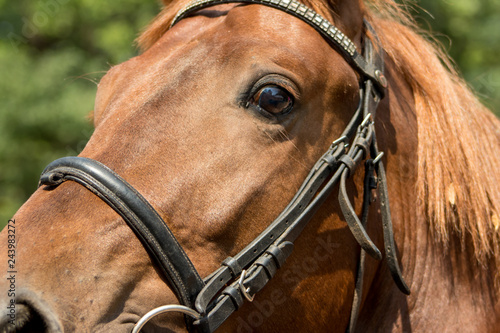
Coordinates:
column 208, row 302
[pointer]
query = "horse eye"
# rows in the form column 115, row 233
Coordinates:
column 274, row 99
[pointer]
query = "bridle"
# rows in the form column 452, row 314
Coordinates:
column 208, row 302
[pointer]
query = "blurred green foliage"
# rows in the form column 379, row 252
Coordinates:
column 470, row 31
column 53, row 53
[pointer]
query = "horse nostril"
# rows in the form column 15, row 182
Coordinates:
column 30, row 314
column 28, row 320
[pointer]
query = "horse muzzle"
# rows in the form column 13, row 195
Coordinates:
column 28, row 314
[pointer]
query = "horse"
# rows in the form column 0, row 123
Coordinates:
column 216, row 124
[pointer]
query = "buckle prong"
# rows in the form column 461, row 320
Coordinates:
column 368, row 120
column 378, row 158
column 245, row 291
column 339, row 140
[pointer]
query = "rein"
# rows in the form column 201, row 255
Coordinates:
column 209, row 302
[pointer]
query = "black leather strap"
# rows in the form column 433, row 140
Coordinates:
column 335, row 165
column 390, row 245
column 286, row 228
column 149, row 227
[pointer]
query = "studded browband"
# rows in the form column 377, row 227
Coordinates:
column 212, row 300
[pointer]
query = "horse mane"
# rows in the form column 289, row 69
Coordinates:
column 458, row 138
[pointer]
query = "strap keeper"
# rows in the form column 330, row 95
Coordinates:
column 348, row 162
column 278, row 255
column 364, row 145
column 233, row 265
column 268, row 264
column 234, row 294
column 329, row 159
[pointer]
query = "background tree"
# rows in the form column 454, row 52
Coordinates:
column 53, row 53
column 470, row 31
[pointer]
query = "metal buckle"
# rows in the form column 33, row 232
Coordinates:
column 244, row 291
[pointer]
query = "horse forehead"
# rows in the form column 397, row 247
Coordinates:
column 236, row 41
column 237, row 38
column 255, row 30
column 267, row 22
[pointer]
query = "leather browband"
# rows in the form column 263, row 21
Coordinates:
column 240, row 277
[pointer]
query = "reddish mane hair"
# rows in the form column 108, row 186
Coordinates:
column 458, row 138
